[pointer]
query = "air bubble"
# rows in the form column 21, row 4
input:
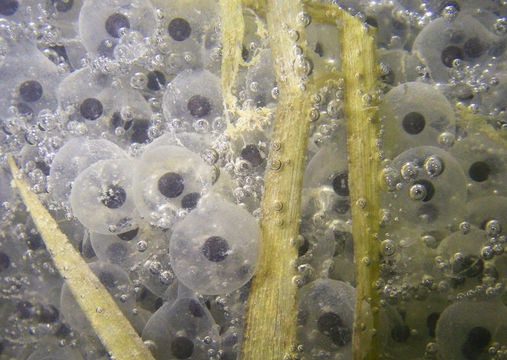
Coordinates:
column 387, row 248
column 433, row 166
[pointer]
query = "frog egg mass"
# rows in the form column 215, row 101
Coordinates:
column 239, row 190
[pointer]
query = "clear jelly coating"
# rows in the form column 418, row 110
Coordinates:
column 325, row 317
column 168, row 179
column 422, row 186
column 484, row 164
column 408, row 121
column 102, row 197
column 177, row 330
column 111, row 24
column 74, row 157
column 193, row 95
column 29, row 80
column 214, row 250
column 442, row 43
column 467, row 329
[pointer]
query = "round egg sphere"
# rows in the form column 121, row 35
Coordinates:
column 102, row 197
column 214, row 250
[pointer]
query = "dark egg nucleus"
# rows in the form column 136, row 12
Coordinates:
column 340, row 183
column 63, row 5
column 171, row 185
column 115, row 22
column 156, row 79
column 451, row 53
column 179, row 29
column 5, row 261
column 479, row 171
column 251, row 154
column 48, row 314
column 8, row 7
column 91, row 109
column 413, row 123
column 199, row 106
column 113, row 197
column 128, row 235
column 195, row 308
column 477, row 340
column 331, row 324
column 182, row 347
column 215, row 249
column 190, row 200
column 30, row 91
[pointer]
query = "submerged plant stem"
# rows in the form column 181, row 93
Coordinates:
column 359, row 69
column 270, row 321
column 110, row 325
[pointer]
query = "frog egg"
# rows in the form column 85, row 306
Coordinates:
column 466, row 329
column 18, row 10
column 485, row 211
column 192, row 96
column 127, row 109
column 214, row 257
column 118, row 284
column 168, row 179
column 122, row 249
column 398, row 66
column 71, row 159
column 28, row 82
column 442, row 42
column 463, row 254
column 102, row 197
column 325, row 318
column 83, row 90
column 105, row 24
column 260, row 80
column 408, row 121
column 410, row 326
column 326, row 183
column 178, row 331
column 484, row 163
column 143, row 252
column 189, row 27
column 433, row 192
column 66, row 13
column 392, row 31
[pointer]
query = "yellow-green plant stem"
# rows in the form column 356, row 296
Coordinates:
column 233, row 27
column 269, row 331
column 112, row 328
column 359, row 70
